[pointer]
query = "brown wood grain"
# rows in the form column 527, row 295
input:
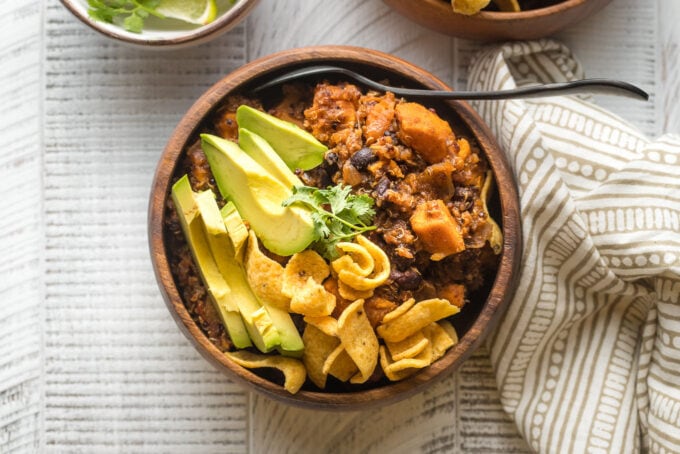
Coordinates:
column 376, row 64
column 438, row 15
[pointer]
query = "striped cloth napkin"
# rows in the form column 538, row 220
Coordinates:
column 587, row 358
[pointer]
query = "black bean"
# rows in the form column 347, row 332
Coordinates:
column 331, row 158
column 362, row 158
column 407, row 280
column 382, row 186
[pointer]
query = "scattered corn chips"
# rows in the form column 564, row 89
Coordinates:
column 312, row 300
column 354, row 267
column 293, row 370
column 359, row 340
column 318, row 347
column 409, row 347
column 351, row 294
column 440, row 338
column 264, row 275
column 470, row 7
column 340, row 365
column 414, row 319
column 496, row 236
column 302, row 266
column 326, row 324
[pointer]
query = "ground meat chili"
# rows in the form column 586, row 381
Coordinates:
column 367, row 136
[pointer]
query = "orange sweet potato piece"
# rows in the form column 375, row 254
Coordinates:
column 423, row 130
column 379, row 116
column 437, row 230
column 454, row 293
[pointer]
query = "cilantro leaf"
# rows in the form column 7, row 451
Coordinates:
column 128, row 13
column 338, row 215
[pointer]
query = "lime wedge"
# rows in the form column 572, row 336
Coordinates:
column 192, row 11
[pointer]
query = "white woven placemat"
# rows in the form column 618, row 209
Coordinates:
column 91, row 360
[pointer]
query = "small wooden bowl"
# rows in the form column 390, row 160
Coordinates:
column 473, row 323
column 176, row 35
column 496, row 26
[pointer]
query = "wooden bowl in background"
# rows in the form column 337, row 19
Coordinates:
column 476, row 319
column 176, row 35
column 496, row 26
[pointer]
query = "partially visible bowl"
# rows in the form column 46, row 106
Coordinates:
column 476, row 319
column 438, row 15
column 167, row 34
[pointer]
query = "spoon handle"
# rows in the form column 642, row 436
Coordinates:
column 596, row 86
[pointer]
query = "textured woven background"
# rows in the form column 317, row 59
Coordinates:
column 90, row 359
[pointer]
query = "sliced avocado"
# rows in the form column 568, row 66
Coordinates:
column 291, row 342
column 258, row 323
column 237, row 230
column 272, row 326
column 298, row 148
column 218, row 289
column 257, row 196
column 260, row 150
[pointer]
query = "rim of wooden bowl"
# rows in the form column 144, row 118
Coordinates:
column 499, row 295
column 496, row 25
column 222, row 24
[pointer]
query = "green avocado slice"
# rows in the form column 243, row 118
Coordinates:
column 260, row 326
column 260, row 150
column 218, row 289
column 298, row 148
column 258, row 197
column 237, row 230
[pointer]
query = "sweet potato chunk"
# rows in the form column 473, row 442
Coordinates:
column 437, row 230
column 379, row 115
column 423, row 130
column 454, row 293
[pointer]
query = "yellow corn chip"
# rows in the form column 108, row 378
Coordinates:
column 439, row 339
column 509, row 6
column 351, row 294
column 318, row 346
column 293, row 370
column 358, row 338
column 379, row 274
column 325, row 323
column 416, row 318
column 401, row 309
column 409, row 347
column 496, row 235
column 386, row 360
column 356, row 259
column 340, row 365
column 468, row 7
column 301, row 267
column 264, row 275
column 450, row 330
column 313, row 300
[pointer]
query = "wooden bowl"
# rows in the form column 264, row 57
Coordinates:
column 473, row 323
column 496, row 26
column 165, row 34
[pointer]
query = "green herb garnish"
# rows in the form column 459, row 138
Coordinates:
column 130, row 13
column 338, row 215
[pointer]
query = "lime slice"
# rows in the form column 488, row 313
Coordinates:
column 192, row 11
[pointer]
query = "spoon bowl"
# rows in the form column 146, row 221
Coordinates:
column 594, row 86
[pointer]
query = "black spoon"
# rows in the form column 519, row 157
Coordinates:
column 597, row 86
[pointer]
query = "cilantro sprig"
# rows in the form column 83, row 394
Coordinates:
column 337, row 213
column 130, row 13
